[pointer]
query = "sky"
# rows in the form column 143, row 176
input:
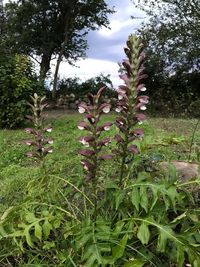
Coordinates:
column 105, row 45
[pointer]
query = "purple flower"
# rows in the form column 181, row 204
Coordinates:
column 125, row 78
column 48, row 129
column 29, row 130
column 141, row 106
column 86, row 153
column 120, row 121
column 138, row 133
column 104, row 142
column 91, row 118
column 107, row 126
column 141, row 88
column 133, row 149
column 82, row 108
column 83, row 126
column 86, row 140
column 105, row 108
column 140, row 117
column 87, row 165
column 143, row 99
column 118, row 138
column 104, row 157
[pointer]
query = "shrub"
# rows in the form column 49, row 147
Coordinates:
column 81, row 89
column 17, row 82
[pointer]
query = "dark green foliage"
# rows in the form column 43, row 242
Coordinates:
column 17, row 82
column 81, row 89
column 49, row 28
column 172, row 38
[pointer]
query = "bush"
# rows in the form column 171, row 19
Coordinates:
column 81, row 89
column 17, row 82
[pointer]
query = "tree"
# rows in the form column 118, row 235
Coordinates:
column 50, row 28
column 173, row 32
column 17, row 82
column 172, row 39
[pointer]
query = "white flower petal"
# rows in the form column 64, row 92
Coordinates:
column 107, row 128
column 81, row 110
column 120, row 97
column 118, row 110
column 28, row 143
column 143, row 108
column 106, row 109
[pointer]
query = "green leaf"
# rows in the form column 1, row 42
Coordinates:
column 119, row 196
column 2, row 231
column 172, row 193
column 134, row 263
column 81, row 242
column 118, row 228
column 6, row 213
column 135, row 198
column 143, row 233
column 46, row 227
column 92, row 256
column 180, row 217
column 38, row 231
column 118, row 250
column 180, row 256
column 143, row 198
column 111, row 185
column 48, row 245
column 30, row 217
column 28, row 237
column 164, row 234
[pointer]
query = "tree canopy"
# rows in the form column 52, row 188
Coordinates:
column 45, row 29
column 173, row 32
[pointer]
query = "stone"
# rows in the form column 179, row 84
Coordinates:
column 185, row 170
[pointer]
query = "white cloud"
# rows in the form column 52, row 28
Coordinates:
column 115, row 26
column 89, row 68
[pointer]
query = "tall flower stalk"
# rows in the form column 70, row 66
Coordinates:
column 131, row 102
column 41, row 145
column 93, row 153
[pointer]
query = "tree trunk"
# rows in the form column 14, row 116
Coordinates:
column 59, row 60
column 55, row 80
column 68, row 23
column 45, row 65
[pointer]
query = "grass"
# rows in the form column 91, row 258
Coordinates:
column 165, row 139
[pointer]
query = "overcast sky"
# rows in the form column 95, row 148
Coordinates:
column 106, row 46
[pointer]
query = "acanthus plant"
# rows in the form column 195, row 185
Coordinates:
column 41, row 145
column 93, row 142
column 131, row 103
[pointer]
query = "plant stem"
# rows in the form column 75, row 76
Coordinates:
column 192, row 140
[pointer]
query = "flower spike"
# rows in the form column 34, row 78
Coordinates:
column 130, row 101
column 93, row 155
